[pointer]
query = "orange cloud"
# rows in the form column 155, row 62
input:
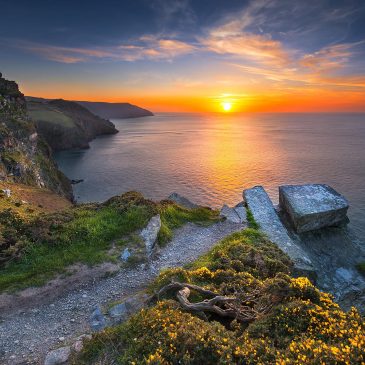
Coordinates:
column 328, row 58
column 255, row 47
column 148, row 47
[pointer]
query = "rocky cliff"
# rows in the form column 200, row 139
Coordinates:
column 66, row 124
column 115, row 110
column 24, row 156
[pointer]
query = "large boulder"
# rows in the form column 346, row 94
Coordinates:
column 150, row 233
column 312, row 206
column 265, row 215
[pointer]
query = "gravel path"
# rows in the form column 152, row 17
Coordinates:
column 26, row 337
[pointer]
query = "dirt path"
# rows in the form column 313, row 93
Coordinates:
column 26, row 336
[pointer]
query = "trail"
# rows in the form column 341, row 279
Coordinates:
column 26, row 336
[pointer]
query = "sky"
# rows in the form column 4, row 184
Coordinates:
column 190, row 55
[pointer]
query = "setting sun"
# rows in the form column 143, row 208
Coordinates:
column 227, row 106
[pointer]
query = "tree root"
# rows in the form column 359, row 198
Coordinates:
column 235, row 306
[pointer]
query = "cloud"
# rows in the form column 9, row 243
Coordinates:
column 329, row 66
column 328, row 58
column 255, row 47
column 64, row 54
column 147, row 47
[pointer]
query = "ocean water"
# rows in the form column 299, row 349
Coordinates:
column 211, row 158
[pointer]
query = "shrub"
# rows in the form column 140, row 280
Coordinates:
column 302, row 325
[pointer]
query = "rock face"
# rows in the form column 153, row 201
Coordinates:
column 115, row 110
column 334, row 252
column 265, row 215
column 150, row 233
column 66, row 124
column 24, row 155
column 181, row 200
column 312, row 206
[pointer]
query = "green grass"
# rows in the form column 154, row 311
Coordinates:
column 85, row 239
column 174, row 216
column 45, row 113
column 46, row 245
column 251, row 220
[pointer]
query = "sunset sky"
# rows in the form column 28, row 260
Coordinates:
column 197, row 55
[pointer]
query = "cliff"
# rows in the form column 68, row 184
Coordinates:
column 24, row 155
column 115, row 110
column 66, row 124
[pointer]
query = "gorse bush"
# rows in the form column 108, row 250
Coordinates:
column 301, row 326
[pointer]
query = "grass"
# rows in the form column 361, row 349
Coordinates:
column 38, row 248
column 45, row 113
column 251, row 220
column 174, row 216
column 83, row 240
column 28, row 201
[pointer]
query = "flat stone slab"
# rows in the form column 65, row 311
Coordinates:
column 268, row 220
column 312, row 206
column 230, row 214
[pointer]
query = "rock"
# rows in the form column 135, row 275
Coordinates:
column 334, row 252
column 230, row 214
column 241, row 212
column 79, row 343
column 97, row 320
column 119, row 311
column 125, row 255
column 58, row 357
column 131, row 305
column 181, row 200
column 77, row 346
column 150, row 233
column 313, row 206
column 7, row 192
column 268, row 220
column 76, row 181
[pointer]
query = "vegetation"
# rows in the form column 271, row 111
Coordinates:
column 36, row 248
column 251, row 220
column 299, row 325
column 45, row 112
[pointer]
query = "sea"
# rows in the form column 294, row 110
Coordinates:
column 212, row 158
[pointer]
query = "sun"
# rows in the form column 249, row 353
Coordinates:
column 227, row 106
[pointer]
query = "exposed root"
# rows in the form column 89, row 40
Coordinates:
column 240, row 306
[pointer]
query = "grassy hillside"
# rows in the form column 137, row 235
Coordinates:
column 28, row 201
column 35, row 248
column 66, row 124
column 235, row 305
column 47, row 113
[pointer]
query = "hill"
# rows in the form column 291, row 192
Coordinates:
column 66, row 124
column 24, row 155
column 115, row 110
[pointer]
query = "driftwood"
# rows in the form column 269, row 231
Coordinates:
column 235, row 306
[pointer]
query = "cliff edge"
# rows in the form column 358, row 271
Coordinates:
column 24, row 156
column 115, row 110
column 65, row 124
